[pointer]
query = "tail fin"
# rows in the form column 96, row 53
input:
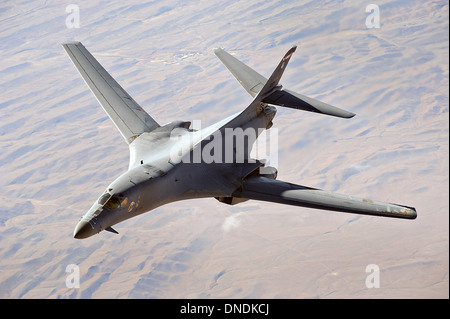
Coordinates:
column 271, row 85
column 268, row 91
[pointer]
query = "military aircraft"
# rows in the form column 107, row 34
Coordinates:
column 168, row 163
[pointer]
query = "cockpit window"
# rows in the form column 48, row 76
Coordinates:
column 113, row 203
column 104, row 198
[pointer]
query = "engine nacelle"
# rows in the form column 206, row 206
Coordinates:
column 268, row 172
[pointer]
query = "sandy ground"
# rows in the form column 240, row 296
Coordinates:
column 60, row 150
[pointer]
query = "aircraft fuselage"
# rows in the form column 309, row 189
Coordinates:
column 167, row 165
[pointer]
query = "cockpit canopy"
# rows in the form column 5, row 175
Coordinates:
column 112, row 201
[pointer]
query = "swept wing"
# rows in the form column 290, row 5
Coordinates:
column 271, row 190
column 127, row 115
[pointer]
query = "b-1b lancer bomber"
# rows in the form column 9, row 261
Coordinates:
column 168, row 163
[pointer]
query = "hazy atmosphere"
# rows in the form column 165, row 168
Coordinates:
column 59, row 149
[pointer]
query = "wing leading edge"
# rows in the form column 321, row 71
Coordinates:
column 270, row 190
column 128, row 116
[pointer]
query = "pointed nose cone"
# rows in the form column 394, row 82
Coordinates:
column 82, row 230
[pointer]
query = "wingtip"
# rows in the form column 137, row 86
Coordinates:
column 292, row 50
column 70, row 42
column 350, row 115
column 217, row 50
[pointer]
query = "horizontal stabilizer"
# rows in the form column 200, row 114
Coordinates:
column 298, row 101
column 265, row 189
column 251, row 80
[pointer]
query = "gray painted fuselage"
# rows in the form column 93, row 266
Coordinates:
column 155, row 178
